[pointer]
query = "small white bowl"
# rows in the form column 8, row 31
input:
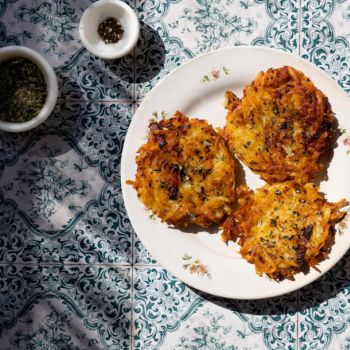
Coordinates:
column 9, row 52
column 97, row 13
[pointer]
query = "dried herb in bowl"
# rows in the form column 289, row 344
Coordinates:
column 23, row 90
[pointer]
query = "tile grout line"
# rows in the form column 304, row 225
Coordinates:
column 134, row 63
column 133, row 233
column 131, row 100
column 299, row 27
column 55, row 264
column 132, row 279
column 298, row 307
column 35, row 264
column 299, row 52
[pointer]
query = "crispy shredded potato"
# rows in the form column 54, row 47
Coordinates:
column 281, row 126
column 283, row 228
column 185, row 172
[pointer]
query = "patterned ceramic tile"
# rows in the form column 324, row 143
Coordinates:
column 65, row 307
column 61, row 203
column 176, row 31
column 161, row 304
column 87, row 77
column 60, row 195
column 325, row 37
column 170, row 315
column 51, row 27
column 324, row 310
column 141, row 255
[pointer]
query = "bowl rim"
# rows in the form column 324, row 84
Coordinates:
column 134, row 28
column 51, row 86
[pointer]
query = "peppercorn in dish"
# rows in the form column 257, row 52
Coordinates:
column 185, row 172
column 283, row 228
column 281, row 126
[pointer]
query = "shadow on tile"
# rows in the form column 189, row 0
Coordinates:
column 60, row 198
column 330, row 286
column 87, row 77
column 149, row 54
column 285, row 304
column 77, row 306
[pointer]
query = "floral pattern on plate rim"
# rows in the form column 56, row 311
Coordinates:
column 215, row 74
column 194, row 266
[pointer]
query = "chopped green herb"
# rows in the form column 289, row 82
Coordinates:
column 152, row 217
column 186, row 257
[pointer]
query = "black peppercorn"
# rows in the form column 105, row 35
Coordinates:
column 110, row 30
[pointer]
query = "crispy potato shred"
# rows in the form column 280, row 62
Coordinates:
column 283, row 228
column 185, row 172
column 281, row 126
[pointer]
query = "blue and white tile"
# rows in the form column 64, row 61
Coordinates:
column 60, row 196
column 161, row 304
column 77, row 307
column 168, row 314
column 213, row 328
column 141, row 254
column 179, row 30
column 324, row 321
column 51, row 28
column 325, row 37
column 85, row 77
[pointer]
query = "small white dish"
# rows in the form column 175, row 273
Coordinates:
column 9, row 52
column 97, row 13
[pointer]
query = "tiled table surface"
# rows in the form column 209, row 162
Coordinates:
column 73, row 274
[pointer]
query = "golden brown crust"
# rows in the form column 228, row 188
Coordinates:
column 185, row 172
column 283, row 228
column 281, row 126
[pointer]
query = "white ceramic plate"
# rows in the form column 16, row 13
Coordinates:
column 197, row 88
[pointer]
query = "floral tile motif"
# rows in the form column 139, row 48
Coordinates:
column 213, row 328
column 47, row 26
column 161, row 304
column 51, row 27
column 156, row 54
column 179, row 30
column 170, row 315
column 283, row 30
column 324, row 321
column 141, row 254
column 65, row 307
column 65, row 204
column 325, row 37
column 274, row 319
column 87, row 77
column 61, row 202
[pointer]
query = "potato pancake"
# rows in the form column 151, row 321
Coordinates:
column 283, row 228
column 281, row 126
column 185, row 172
